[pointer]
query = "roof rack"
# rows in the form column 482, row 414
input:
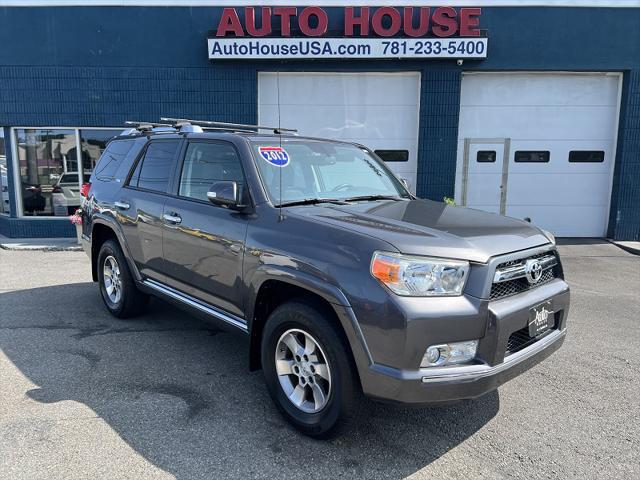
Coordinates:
column 209, row 125
column 147, row 126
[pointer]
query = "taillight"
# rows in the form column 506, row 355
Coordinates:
column 56, row 189
column 84, row 191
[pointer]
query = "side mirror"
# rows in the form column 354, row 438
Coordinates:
column 225, row 194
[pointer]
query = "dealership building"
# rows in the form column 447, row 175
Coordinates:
column 525, row 108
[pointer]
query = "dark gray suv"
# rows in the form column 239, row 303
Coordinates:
column 344, row 282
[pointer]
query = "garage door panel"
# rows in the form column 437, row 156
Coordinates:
column 359, row 123
column 541, row 89
column 559, row 157
column 459, row 168
column 379, row 110
column 550, row 122
column 566, row 221
column 550, row 189
column 356, row 122
column 339, row 89
column 558, row 113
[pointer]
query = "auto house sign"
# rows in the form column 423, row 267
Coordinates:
column 364, row 32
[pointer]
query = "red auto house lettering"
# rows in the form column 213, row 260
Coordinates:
column 364, row 32
column 348, row 105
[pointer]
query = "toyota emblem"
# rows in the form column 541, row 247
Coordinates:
column 533, row 270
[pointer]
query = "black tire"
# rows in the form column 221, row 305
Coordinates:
column 344, row 396
column 131, row 301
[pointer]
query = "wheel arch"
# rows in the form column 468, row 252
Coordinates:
column 101, row 231
column 278, row 286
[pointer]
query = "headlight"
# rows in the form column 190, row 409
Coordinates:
column 419, row 276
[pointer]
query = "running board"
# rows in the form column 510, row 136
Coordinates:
column 194, row 303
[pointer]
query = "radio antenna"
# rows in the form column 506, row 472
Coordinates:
column 280, row 216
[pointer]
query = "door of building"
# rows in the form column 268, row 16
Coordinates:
column 485, row 174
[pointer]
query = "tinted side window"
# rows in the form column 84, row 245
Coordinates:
column 112, row 158
column 154, row 169
column 207, row 163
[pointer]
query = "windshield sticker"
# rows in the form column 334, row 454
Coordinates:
column 277, row 156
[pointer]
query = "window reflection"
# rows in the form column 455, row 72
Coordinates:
column 47, row 160
column 4, row 185
column 50, row 179
column 93, row 143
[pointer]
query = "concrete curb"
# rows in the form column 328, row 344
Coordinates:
column 42, row 246
column 631, row 247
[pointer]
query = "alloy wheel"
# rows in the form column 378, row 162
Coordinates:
column 112, row 280
column 303, row 371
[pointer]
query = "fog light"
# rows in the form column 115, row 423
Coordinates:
column 432, row 356
column 449, row 354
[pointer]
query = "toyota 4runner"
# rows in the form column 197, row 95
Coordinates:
column 344, row 282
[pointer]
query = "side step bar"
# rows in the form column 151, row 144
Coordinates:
column 197, row 304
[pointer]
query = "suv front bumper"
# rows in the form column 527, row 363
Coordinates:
column 446, row 384
column 459, row 383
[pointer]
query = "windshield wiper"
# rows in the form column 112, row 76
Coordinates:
column 311, row 201
column 372, row 197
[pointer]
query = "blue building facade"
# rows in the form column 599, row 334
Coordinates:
column 77, row 68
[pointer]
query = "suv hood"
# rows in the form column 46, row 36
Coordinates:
column 424, row 227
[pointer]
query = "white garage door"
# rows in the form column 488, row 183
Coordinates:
column 539, row 146
column 378, row 110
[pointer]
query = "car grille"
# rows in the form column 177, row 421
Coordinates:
column 519, row 285
column 520, row 340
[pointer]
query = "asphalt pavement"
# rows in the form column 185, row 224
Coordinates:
column 83, row 395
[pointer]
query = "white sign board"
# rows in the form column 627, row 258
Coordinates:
column 301, row 48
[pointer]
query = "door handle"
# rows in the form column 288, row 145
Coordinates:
column 121, row 205
column 172, row 218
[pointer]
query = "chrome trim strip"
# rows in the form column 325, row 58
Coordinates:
column 192, row 302
column 469, row 373
column 518, row 271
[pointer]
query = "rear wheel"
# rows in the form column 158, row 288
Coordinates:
column 308, row 370
column 119, row 292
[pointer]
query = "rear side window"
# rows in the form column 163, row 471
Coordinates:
column 207, row 163
column 112, row 158
column 154, row 168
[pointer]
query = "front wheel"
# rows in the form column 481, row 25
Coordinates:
column 308, row 370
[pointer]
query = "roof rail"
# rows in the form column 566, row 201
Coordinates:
column 147, row 126
column 225, row 126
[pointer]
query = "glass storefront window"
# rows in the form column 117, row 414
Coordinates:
column 48, row 166
column 50, row 179
column 4, row 184
column 93, row 143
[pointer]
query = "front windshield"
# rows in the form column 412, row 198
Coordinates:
column 302, row 170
